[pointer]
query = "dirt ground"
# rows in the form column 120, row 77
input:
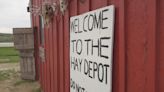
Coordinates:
column 10, row 80
column 9, row 66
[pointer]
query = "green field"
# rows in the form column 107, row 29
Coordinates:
column 6, row 37
column 8, row 55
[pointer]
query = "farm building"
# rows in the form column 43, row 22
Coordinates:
column 136, row 51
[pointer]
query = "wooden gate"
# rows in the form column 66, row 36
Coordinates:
column 24, row 42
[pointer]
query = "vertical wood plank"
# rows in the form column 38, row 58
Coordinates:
column 119, row 64
column 48, row 58
column 60, row 51
column 47, row 66
column 120, row 47
column 45, row 63
column 51, row 58
column 59, row 21
column 48, row 55
column 54, row 59
column 55, row 55
column 136, row 38
column 141, row 47
column 160, row 46
column 66, row 52
column 151, row 18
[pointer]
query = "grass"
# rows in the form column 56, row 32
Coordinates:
column 8, row 55
column 4, row 75
column 29, row 82
column 37, row 90
column 6, row 37
column 19, row 82
column 7, row 74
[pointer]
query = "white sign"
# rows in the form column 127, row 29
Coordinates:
column 91, row 51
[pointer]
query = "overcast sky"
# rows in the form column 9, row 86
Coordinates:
column 13, row 13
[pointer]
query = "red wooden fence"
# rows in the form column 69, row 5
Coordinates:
column 138, row 49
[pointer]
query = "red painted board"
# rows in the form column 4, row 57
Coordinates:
column 55, row 55
column 160, row 46
column 66, row 52
column 95, row 4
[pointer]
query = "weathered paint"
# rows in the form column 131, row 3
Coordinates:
column 138, row 49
